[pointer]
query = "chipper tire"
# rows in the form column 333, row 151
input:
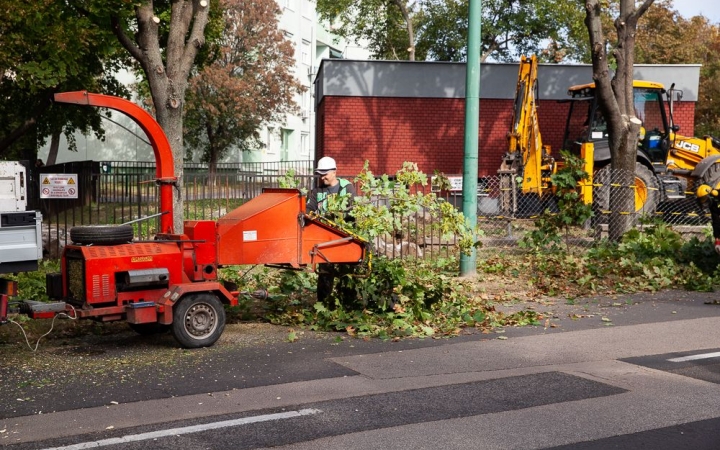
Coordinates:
column 198, row 320
column 101, row 234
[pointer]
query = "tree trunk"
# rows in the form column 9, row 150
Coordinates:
column 622, row 198
column 409, row 26
column 54, row 147
column 212, row 166
column 616, row 100
column 167, row 70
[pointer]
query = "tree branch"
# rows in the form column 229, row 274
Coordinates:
column 124, row 40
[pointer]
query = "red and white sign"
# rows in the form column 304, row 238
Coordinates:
column 58, row 185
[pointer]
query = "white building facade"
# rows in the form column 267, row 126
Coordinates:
column 294, row 139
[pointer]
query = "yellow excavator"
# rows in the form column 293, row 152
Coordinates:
column 668, row 165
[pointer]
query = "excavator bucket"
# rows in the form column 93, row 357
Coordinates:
column 273, row 229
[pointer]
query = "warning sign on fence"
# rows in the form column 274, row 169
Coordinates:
column 58, row 185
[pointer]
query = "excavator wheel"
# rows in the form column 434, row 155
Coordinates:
column 101, row 234
column 198, row 320
column 646, row 193
column 711, row 177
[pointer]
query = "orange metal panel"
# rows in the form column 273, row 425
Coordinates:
column 102, row 262
column 203, row 256
column 322, row 243
column 273, row 229
column 264, row 230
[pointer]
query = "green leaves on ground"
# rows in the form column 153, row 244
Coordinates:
column 396, row 298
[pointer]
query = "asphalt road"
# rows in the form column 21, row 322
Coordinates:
column 639, row 371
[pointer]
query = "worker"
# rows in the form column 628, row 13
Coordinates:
column 708, row 195
column 327, row 184
column 317, row 201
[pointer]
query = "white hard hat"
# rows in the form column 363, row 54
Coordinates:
column 325, row 165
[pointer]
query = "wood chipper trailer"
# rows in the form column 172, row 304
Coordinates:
column 172, row 281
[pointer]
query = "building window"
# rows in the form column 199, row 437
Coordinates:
column 305, row 53
column 285, row 145
column 305, row 145
column 305, row 101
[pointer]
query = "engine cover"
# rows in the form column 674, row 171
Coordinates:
column 94, row 274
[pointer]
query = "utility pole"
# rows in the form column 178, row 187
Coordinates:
column 468, row 263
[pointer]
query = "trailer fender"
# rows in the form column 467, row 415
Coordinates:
column 704, row 165
column 175, row 293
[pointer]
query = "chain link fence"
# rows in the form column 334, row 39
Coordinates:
column 620, row 201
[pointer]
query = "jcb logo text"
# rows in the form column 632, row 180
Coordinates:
column 685, row 145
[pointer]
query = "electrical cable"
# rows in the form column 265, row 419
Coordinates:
column 52, row 325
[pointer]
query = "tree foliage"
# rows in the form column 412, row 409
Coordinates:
column 508, row 29
column 47, row 47
column 386, row 26
column 437, row 29
column 247, row 83
column 664, row 36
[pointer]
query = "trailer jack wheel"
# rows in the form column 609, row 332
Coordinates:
column 198, row 320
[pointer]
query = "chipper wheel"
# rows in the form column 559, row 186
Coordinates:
column 198, row 320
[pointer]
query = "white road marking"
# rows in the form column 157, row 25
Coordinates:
column 188, row 430
column 694, row 357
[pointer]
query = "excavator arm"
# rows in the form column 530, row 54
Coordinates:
column 527, row 158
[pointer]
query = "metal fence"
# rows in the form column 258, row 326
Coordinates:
column 121, row 192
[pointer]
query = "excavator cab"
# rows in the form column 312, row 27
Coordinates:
column 586, row 124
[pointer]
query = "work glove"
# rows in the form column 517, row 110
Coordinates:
column 717, row 246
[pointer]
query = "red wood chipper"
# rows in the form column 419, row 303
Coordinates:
column 172, row 281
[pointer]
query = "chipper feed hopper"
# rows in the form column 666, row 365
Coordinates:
column 172, row 281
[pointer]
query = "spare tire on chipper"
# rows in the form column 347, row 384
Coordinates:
column 101, row 234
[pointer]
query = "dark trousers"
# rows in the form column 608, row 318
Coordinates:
column 325, row 286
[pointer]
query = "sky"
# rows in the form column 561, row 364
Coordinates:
column 690, row 8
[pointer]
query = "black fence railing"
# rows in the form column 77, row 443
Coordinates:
column 114, row 192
